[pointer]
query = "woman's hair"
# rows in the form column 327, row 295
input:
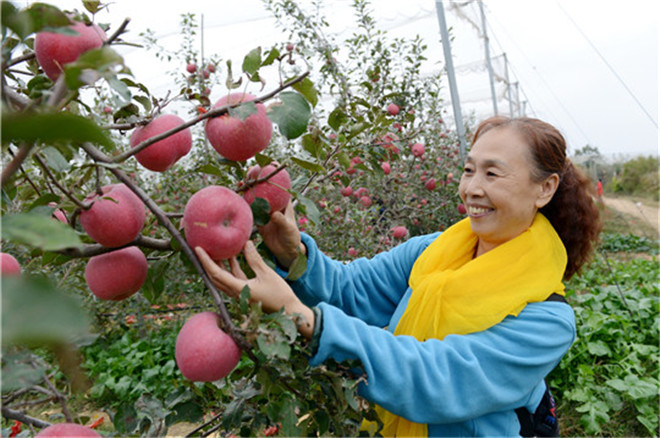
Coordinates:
column 572, row 210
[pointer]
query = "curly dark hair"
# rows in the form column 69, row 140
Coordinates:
column 572, row 210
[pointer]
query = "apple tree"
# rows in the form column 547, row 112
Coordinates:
column 108, row 187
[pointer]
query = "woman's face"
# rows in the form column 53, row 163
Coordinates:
column 497, row 189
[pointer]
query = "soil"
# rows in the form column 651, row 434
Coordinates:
column 645, row 213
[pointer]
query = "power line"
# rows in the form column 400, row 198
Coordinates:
column 614, row 72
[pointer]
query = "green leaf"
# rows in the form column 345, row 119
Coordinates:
column 99, row 60
column 51, row 127
column 598, row 348
column 39, row 231
column 55, row 160
column 154, row 285
column 260, row 211
column 252, row 61
column 298, row 267
column 274, row 345
column 273, row 54
column 311, row 210
column 144, row 101
column 19, row 370
column 308, row 165
column 211, row 170
column 44, row 200
column 337, row 118
column 312, row 144
column 37, row 17
column 291, row 114
column 243, row 111
column 307, row 89
column 53, row 316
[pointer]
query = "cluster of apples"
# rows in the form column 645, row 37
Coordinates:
column 215, row 218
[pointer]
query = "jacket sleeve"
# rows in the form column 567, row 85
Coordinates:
column 369, row 289
column 460, row 377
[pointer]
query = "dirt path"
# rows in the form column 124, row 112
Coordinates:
column 645, row 213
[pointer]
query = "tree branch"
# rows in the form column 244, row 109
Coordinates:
column 15, row 164
column 212, row 113
column 11, row 414
column 94, row 249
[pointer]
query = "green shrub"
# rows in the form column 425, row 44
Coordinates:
column 608, row 382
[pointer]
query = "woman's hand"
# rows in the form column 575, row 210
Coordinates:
column 266, row 287
column 282, row 236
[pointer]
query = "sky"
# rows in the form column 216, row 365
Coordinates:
column 589, row 67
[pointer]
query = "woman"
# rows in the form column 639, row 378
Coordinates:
column 471, row 326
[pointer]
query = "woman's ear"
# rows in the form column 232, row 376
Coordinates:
column 547, row 190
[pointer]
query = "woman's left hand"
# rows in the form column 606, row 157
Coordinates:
column 267, row 287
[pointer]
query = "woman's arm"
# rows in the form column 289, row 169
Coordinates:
column 460, row 377
column 369, row 289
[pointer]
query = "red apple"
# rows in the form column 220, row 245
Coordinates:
column 218, row 220
column 118, row 274
column 430, row 184
column 399, row 232
column 393, row 109
column 9, row 265
column 58, row 213
column 461, row 208
column 115, row 218
column 366, row 201
column 237, row 139
column 386, row 167
column 347, row 191
column 275, row 190
column 417, row 149
column 203, row 352
column 67, row 430
column 162, row 155
column 352, row 252
column 54, row 50
column 210, row 68
column 191, row 67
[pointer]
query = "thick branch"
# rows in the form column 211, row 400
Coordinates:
column 228, row 324
column 212, row 113
column 11, row 414
column 18, row 60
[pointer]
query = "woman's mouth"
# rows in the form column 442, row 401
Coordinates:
column 476, row 211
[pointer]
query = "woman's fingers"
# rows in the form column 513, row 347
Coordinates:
column 224, row 280
column 236, row 269
column 254, row 259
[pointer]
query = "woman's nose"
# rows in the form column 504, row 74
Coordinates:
column 473, row 185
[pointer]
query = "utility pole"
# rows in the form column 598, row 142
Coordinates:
column 508, row 85
column 449, row 65
column 488, row 62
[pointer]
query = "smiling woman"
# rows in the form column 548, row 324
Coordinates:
column 451, row 328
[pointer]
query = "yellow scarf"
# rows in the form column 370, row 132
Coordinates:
column 454, row 293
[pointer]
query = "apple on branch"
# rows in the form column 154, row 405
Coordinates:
column 115, row 218
column 9, row 265
column 218, row 220
column 54, row 50
column 235, row 138
column 118, row 274
column 162, row 155
column 275, row 190
column 203, row 352
column 67, row 430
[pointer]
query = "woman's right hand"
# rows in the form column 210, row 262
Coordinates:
column 282, row 236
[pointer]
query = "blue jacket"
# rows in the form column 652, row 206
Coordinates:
column 464, row 385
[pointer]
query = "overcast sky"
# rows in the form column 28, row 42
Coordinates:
column 590, row 67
